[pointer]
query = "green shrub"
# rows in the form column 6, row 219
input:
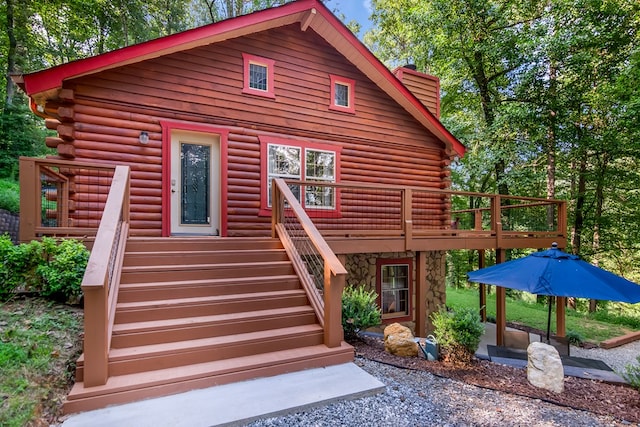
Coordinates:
column 62, row 274
column 575, row 338
column 9, row 195
column 632, row 374
column 7, row 284
column 458, row 333
column 359, row 310
column 50, row 267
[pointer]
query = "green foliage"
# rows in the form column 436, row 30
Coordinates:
column 632, row 374
column 62, row 273
column 54, row 268
column 575, row 338
column 9, row 195
column 458, row 333
column 359, row 310
column 594, row 327
column 37, row 340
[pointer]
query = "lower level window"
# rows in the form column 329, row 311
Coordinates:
column 394, row 282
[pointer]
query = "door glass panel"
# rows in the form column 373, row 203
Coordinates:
column 195, row 183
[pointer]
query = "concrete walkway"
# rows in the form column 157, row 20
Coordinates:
column 238, row 403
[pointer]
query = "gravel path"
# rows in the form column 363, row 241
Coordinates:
column 418, row 398
column 617, row 358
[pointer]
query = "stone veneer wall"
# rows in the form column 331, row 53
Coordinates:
column 10, row 223
column 361, row 269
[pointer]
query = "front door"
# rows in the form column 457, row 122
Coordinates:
column 195, row 183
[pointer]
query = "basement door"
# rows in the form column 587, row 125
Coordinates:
column 195, row 183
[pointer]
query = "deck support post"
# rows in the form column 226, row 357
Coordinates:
column 421, row 294
column 561, row 303
column 482, row 288
column 28, row 200
column 501, row 314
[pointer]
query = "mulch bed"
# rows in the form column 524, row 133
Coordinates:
column 620, row 401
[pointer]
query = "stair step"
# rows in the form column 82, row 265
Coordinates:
column 182, row 353
column 130, row 292
column 137, row 274
column 131, row 387
column 167, row 330
column 153, row 258
column 145, row 244
column 127, row 312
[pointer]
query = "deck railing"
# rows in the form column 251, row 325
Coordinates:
column 65, row 198
column 363, row 210
column 102, row 278
column 321, row 273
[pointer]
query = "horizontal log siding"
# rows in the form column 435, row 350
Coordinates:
column 381, row 143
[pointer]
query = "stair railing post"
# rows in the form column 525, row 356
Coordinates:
column 333, row 288
column 96, row 366
column 277, row 208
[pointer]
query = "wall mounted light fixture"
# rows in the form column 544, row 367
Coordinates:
column 143, row 138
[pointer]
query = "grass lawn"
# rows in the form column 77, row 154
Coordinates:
column 39, row 340
column 535, row 315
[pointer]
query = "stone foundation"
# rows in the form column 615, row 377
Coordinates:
column 361, row 271
column 10, row 223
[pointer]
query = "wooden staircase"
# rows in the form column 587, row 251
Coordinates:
column 198, row 312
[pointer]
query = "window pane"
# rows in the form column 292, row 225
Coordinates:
column 319, row 197
column 284, row 161
column 258, row 76
column 341, row 95
column 320, row 165
column 395, row 289
column 195, row 183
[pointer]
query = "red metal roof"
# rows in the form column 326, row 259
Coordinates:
column 309, row 13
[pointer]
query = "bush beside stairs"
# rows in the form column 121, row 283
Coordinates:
column 198, row 312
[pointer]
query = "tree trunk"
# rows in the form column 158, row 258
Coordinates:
column 578, row 222
column 11, row 54
column 598, row 215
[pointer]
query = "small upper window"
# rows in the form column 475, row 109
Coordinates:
column 342, row 94
column 258, row 75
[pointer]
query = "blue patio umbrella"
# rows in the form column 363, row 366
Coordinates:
column 558, row 274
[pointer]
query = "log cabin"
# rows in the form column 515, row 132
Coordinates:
column 231, row 180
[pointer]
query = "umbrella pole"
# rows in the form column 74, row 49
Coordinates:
column 549, row 318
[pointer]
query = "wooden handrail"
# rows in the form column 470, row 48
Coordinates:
column 104, row 263
column 334, row 271
column 318, row 241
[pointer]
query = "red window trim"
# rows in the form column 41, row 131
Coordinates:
column 395, row 261
column 265, row 140
column 351, row 84
column 167, row 127
column 270, row 64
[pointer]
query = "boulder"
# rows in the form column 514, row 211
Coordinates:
column 544, row 367
column 400, row 341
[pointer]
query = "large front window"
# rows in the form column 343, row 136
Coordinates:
column 302, row 162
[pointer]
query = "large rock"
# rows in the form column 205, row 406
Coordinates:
column 400, row 341
column 544, row 369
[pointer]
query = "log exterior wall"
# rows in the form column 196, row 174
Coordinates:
column 100, row 118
